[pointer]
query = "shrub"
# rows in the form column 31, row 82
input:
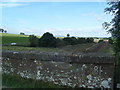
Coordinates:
column 33, row 40
column 110, row 41
column 21, row 33
column 89, row 40
column 70, row 40
column 81, row 40
column 47, row 40
column 60, row 43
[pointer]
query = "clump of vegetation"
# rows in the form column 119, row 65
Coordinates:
column 81, row 40
column 47, row 40
column 110, row 40
column 89, row 40
column 3, row 31
column 21, row 33
column 70, row 40
column 33, row 41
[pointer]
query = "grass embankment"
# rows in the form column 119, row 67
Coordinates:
column 13, row 38
column 15, row 81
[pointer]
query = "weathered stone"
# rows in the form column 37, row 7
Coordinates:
column 82, row 70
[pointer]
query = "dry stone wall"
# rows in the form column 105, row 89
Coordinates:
column 75, row 70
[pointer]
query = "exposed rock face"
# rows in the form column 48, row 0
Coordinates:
column 75, row 70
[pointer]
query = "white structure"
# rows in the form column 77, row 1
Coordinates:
column 13, row 43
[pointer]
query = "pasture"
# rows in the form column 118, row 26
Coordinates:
column 13, row 38
column 69, row 48
column 22, row 40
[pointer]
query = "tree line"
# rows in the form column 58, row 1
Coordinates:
column 3, row 31
column 48, row 40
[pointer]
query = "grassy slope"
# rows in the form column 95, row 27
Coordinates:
column 13, row 38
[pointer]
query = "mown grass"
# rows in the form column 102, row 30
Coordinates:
column 13, row 38
column 15, row 81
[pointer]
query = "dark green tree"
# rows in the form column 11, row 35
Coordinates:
column 5, row 31
column 33, row 40
column 68, row 35
column 81, row 40
column 1, row 30
column 114, row 28
column 21, row 33
column 89, row 40
column 70, row 40
column 74, row 41
column 47, row 40
column 110, row 40
column 60, row 42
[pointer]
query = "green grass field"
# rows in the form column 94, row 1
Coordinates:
column 70, row 48
column 13, row 38
column 16, row 38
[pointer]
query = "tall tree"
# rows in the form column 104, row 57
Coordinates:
column 47, row 40
column 114, row 28
column 33, row 40
column 1, row 30
column 5, row 31
column 68, row 35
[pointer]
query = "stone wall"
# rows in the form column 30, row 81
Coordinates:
column 75, row 70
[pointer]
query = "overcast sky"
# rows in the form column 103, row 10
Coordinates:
column 83, row 19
